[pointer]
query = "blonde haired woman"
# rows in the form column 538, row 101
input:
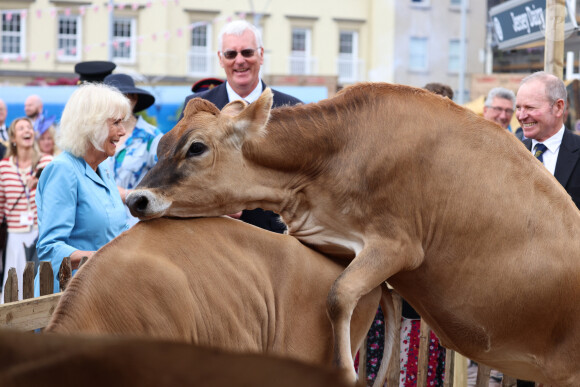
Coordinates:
column 79, row 206
column 18, row 178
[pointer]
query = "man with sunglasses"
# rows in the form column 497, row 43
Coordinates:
column 241, row 55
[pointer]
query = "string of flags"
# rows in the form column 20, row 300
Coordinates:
column 126, row 42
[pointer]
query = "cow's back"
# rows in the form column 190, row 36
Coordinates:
column 213, row 281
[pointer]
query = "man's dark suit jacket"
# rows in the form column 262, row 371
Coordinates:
column 219, row 97
column 568, row 164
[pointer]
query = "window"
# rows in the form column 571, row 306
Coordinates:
column 200, row 56
column 300, row 58
column 13, row 34
column 123, row 40
column 418, row 54
column 454, row 56
column 348, row 61
column 420, row 2
column 69, row 29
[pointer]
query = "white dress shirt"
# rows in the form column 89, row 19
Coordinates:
column 253, row 96
column 550, row 156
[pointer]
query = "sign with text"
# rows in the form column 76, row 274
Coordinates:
column 519, row 22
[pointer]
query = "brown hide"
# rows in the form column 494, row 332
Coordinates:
column 459, row 217
column 214, row 282
column 56, row 360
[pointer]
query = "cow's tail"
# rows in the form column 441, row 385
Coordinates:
column 391, row 334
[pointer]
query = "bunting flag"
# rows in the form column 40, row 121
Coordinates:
column 82, row 10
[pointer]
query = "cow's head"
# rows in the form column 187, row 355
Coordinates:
column 201, row 169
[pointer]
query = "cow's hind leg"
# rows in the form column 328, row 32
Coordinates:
column 370, row 268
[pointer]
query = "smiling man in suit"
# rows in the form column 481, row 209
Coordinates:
column 241, row 55
column 540, row 106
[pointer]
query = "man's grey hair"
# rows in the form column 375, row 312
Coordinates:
column 555, row 87
column 237, row 28
column 500, row 92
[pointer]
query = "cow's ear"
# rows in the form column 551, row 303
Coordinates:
column 234, row 108
column 197, row 104
column 254, row 118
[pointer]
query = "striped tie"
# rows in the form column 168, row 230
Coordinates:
column 539, row 151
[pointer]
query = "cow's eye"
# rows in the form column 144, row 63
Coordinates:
column 196, row 149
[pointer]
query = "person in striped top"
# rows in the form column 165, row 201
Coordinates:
column 19, row 173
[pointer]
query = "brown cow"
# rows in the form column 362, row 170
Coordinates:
column 451, row 209
column 56, row 360
column 214, row 282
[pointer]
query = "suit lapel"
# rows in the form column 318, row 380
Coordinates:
column 567, row 158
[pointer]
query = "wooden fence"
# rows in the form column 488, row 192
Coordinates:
column 34, row 313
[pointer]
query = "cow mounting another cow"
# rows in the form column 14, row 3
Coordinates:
column 449, row 208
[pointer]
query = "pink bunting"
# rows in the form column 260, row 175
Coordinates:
column 67, row 11
column 135, row 6
column 96, row 8
column 82, row 10
column 47, row 55
column 179, row 32
column 53, row 12
column 120, row 6
column 110, row 8
column 8, row 16
column 167, row 35
column 23, row 14
column 39, row 13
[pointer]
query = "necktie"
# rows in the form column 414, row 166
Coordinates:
column 539, row 150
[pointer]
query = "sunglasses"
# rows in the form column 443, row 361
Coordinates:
column 246, row 53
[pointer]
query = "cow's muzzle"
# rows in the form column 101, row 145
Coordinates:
column 144, row 204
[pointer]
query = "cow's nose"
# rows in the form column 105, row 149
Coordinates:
column 137, row 203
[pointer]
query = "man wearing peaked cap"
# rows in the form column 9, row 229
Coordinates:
column 93, row 71
column 136, row 151
column 206, row 84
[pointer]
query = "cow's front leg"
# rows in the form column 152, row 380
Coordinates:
column 370, row 268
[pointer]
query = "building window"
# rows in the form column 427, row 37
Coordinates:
column 124, row 40
column 301, row 62
column 201, row 58
column 349, row 63
column 418, row 60
column 13, row 34
column 453, row 65
column 69, row 29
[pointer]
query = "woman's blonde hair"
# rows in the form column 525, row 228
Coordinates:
column 12, row 149
column 84, row 118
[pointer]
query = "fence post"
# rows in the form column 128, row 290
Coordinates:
column 483, row 373
column 64, row 273
column 11, row 287
column 395, row 364
column 423, row 361
column 46, row 278
column 28, row 281
column 449, row 368
column 508, row 381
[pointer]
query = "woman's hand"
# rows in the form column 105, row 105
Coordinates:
column 76, row 256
